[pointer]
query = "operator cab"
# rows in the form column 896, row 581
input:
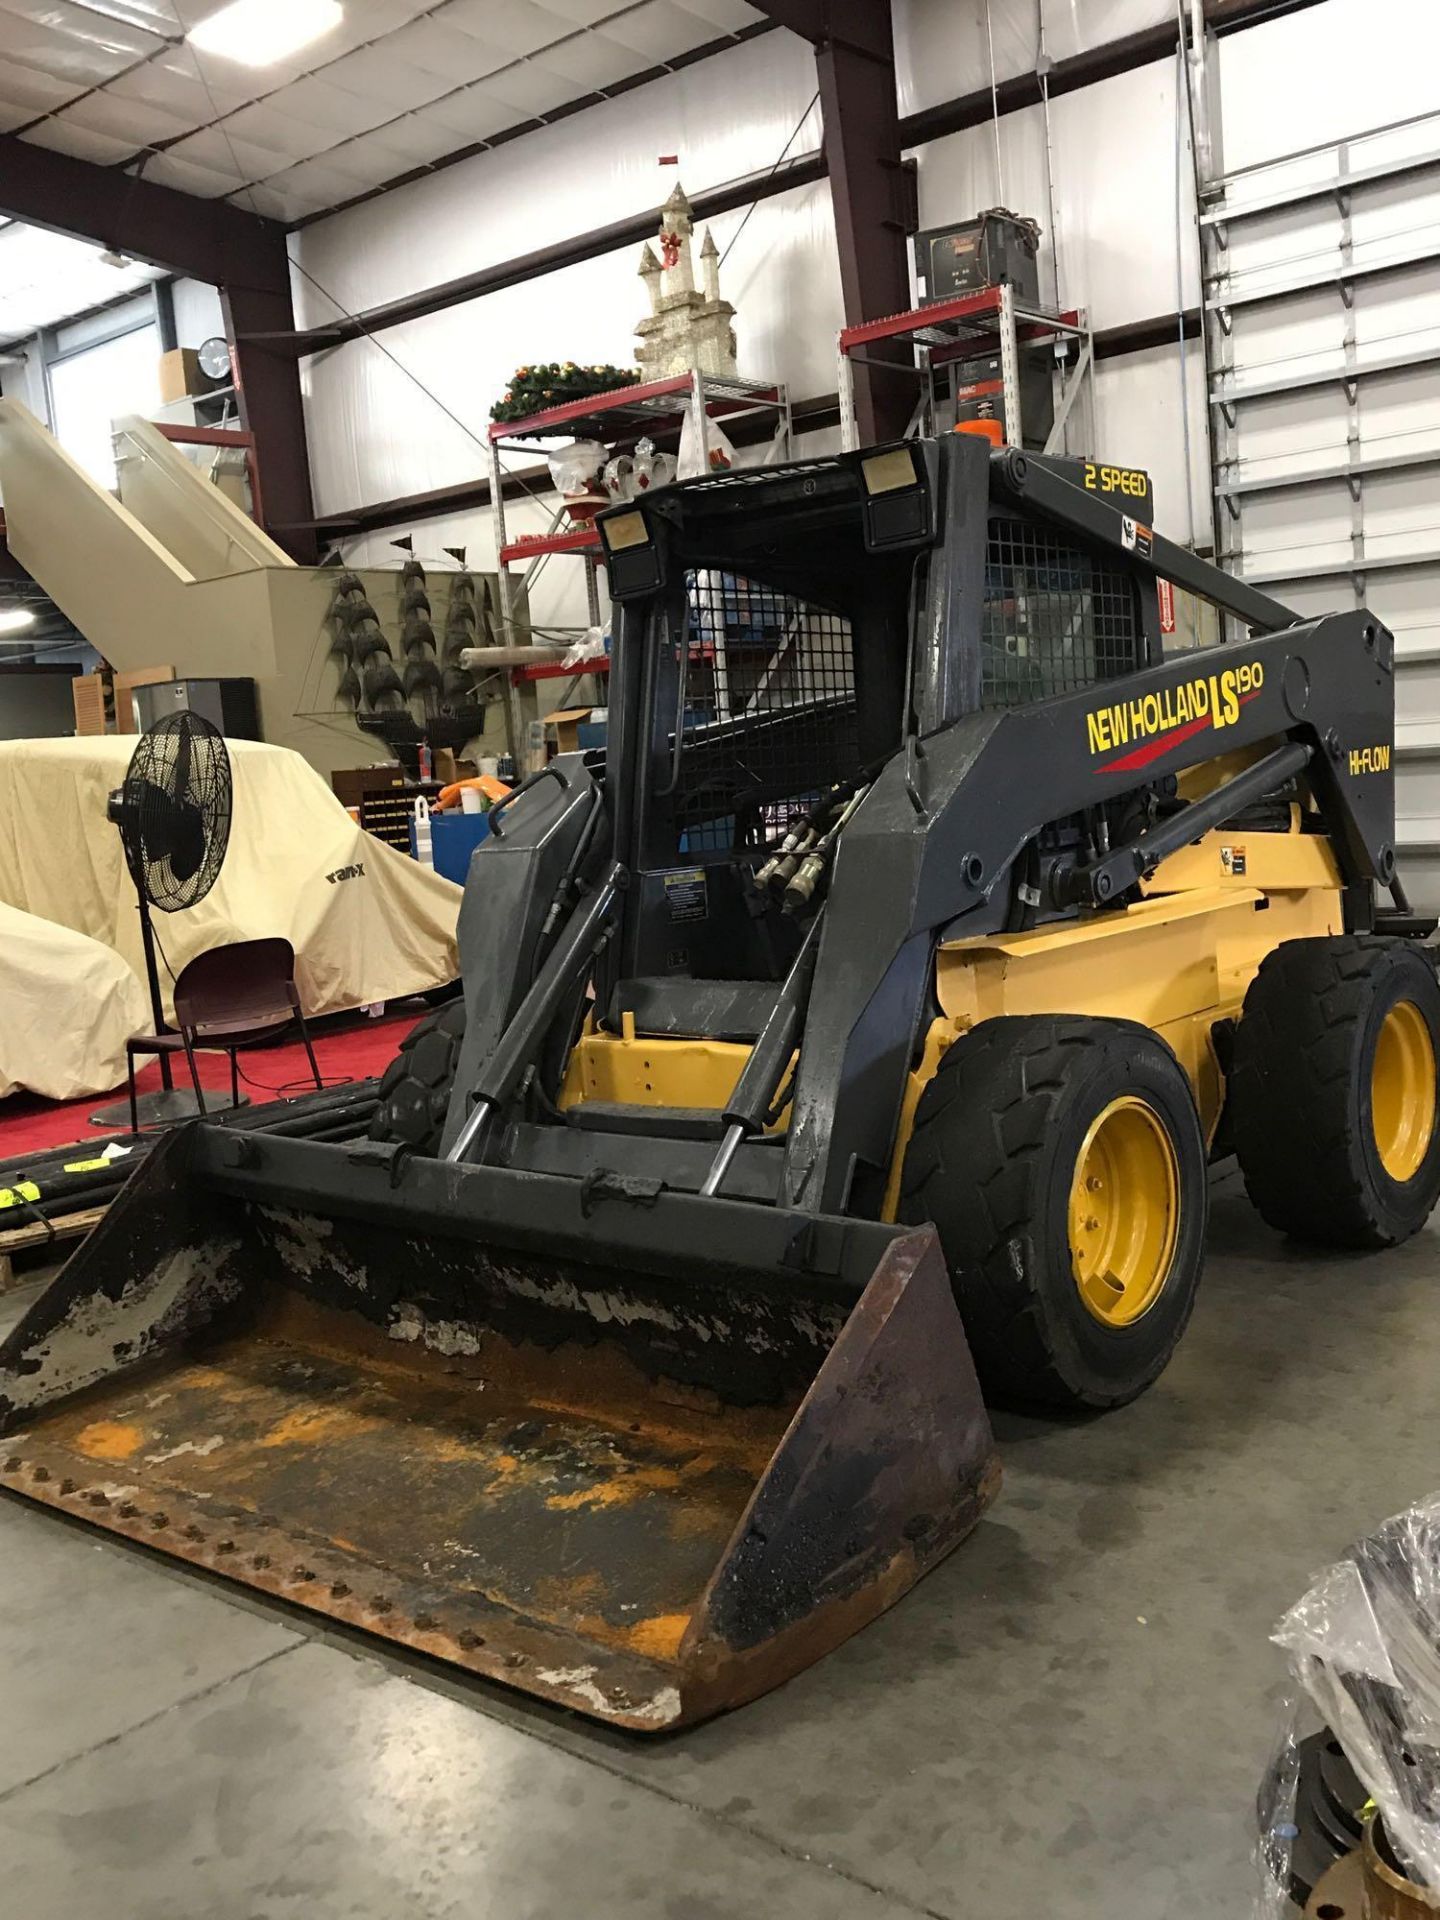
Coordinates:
column 782, row 631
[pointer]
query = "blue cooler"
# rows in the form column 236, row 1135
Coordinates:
column 453, row 838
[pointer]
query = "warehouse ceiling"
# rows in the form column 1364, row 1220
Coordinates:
column 398, row 85
column 46, row 278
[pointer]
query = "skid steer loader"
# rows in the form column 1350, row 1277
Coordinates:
column 870, row 1003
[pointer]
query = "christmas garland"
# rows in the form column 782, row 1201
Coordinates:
column 533, row 389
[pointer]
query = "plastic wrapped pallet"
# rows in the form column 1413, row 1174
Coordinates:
column 1364, row 1645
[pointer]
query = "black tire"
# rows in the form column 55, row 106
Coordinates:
column 415, row 1087
column 1301, row 1091
column 995, row 1149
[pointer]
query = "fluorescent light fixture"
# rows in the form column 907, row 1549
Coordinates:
column 259, row 32
column 13, row 619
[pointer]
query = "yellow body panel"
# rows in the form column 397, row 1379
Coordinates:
column 1177, row 961
column 1183, row 962
column 633, row 1070
column 650, row 1072
column 1273, row 862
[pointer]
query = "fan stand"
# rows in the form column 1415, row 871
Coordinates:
column 172, row 1104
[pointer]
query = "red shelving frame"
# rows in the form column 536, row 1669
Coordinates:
column 993, row 320
column 575, row 540
column 648, row 402
column 524, row 676
column 618, row 417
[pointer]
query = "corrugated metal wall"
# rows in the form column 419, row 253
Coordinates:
column 1326, row 309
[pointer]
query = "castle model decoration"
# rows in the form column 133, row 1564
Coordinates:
column 686, row 327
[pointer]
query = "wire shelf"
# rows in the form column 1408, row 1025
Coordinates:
column 633, row 410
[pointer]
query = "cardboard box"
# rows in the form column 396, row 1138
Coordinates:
column 180, row 374
column 562, row 728
column 449, row 769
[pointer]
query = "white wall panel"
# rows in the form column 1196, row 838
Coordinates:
column 942, row 47
column 374, row 435
column 1115, row 191
column 960, row 175
column 1324, row 76
column 725, row 117
column 1139, row 422
column 197, row 312
column 1325, row 73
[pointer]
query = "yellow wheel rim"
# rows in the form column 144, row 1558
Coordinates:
column 1124, row 1212
column 1402, row 1091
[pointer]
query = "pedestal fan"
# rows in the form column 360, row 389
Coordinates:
column 173, row 813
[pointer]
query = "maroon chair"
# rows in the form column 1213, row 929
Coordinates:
column 225, row 999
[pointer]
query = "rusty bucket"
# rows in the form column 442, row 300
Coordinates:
column 645, row 1461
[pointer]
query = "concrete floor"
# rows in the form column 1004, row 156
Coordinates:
column 1068, row 1718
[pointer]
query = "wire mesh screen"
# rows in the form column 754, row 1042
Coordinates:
column 1056, row 618
column 768, row 718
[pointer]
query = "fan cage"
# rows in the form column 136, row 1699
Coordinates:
column 175, row 811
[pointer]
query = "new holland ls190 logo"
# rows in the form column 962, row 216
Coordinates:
column 1151, row 723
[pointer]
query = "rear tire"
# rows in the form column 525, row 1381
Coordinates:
column 415, row 1088
column 1062, row 1162
column 1333, row 1091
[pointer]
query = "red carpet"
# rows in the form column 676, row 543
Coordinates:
column 348, row 1046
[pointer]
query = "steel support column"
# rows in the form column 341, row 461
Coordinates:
column 272, row 409
column 855, row 65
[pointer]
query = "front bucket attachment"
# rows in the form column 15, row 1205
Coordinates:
column 644, row 1454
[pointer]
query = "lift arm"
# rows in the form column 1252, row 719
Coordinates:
column 1097, row 519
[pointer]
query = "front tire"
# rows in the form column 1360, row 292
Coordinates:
column 1062, row 1163
column 415, row 1087
column 1333, row 1090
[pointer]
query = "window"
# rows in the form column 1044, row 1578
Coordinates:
column 1056, row 617
column 90, row 389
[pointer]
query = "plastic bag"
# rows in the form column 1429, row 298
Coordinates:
column 1364, row 1643
column 590, row 646
column 1275, row 1827
column 574, row 466
column 716, row 455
